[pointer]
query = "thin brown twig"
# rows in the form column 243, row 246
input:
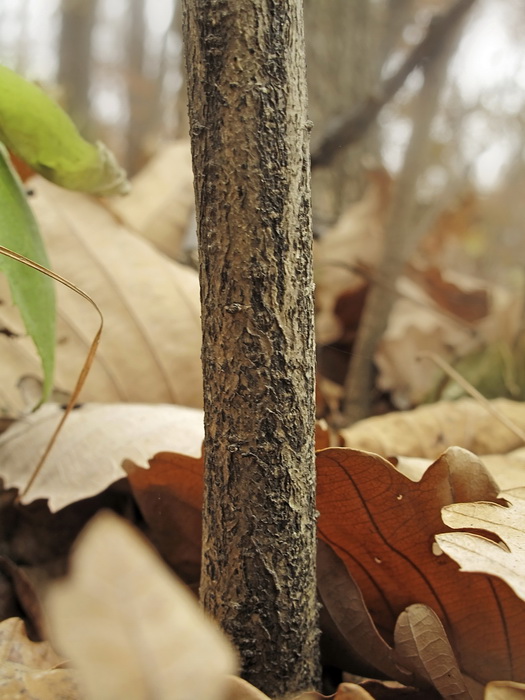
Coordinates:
column 85, row 367
column 472, row 391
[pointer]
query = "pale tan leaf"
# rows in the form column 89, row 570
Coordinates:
column 29, row 669
column 507, row 469
column 17, row 681
column 475, row 553
column 355, row 240
column 239, row 689
column 422, row 645
column 130, row 628
column 504, row 690
column 161, row 202
column 17, row 648
column 419, row 324
column 150, row 346
column 352, row 690
column 428, row 430
column 96, row 439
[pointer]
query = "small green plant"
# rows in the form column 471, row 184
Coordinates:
column 35, row 129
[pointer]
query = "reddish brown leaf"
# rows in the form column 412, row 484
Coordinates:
column 382, row 525
column 169, row 495
column 350, row 640
column 468, row 302
column 422, row 645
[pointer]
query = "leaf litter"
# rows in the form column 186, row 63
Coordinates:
column 420, row 624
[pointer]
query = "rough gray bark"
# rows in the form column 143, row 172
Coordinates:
column 247, row 108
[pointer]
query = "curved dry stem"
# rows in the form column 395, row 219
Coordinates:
column 472, row 391
column 85, row 367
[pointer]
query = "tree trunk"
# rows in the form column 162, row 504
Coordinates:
column 401, row 234
column 139, row 89
column 342, row 38
column 247, row 108
column 74, row 70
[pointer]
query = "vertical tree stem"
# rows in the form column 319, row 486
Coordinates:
column 247, row 109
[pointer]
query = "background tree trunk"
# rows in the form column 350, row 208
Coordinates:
column 342, row 48
column 402, row 232
column 247, row 107
column 74, row 71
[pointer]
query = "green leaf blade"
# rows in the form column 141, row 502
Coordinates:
column 31, row 291
column 39, row 132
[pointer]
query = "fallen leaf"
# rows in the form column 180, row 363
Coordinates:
column 382, row 525
column 494, row 370
column 507, row 469
column 390, row 690
column 169, row 495
column 29, row 669
column 355, row 240
column 160, row 205
column 95, row 441
column 150, row 347
column 427, row 431
column 16, row 647
column 239, row 689
column 421, row 656
column 473, row 552
column 350, row 639
column 130, row 628
column 422, row 644
column 467, row 298
column 504, row 690
column 417, row 325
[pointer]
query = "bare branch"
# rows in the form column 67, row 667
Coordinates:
column 349, row 128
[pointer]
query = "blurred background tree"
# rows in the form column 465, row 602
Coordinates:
column 117, row 67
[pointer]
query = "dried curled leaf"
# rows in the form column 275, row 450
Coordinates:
column 423, row 646
column 428, row 430
column 99, row 438
column 382, row 525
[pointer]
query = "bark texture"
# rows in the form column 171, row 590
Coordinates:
column 247, row 108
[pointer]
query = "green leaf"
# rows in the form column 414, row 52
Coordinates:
column 39, row 132
column 31, row 291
